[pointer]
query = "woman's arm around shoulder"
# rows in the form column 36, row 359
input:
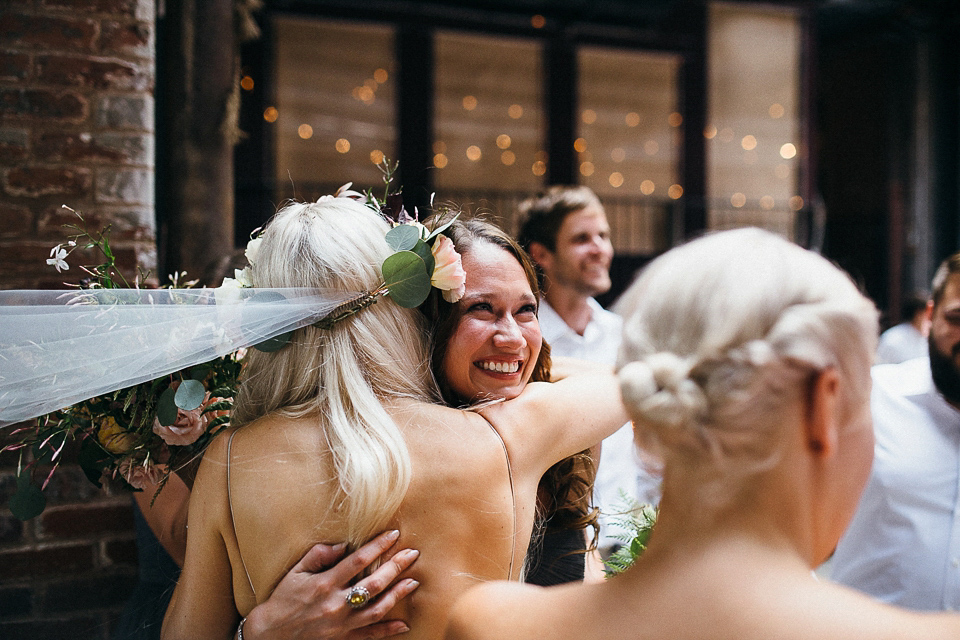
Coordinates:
column 493, row 611
column 562, row 367
column 550, row 421
column 202, row 606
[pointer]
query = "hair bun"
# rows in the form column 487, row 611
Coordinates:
column 658, row 388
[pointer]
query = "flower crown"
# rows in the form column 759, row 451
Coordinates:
column 422, row 258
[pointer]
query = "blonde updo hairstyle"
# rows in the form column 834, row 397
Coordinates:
column 724, row 335
column 341, row 374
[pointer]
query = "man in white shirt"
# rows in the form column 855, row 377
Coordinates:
column 908, row 339
column 903, row 545
column 566, row 232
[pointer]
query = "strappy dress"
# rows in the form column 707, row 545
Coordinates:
column 513, row 498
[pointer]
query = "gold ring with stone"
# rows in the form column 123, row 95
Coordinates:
column 358, row 597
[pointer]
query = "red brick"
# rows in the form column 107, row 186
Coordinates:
column 14, row 66
column 79, row 521
column 69, row 484
column 15, row 221
column 41, row 181
column 47, row 32
column 126, row 39
column 47, row 561
column 93, row 73
column 23, row 258
column 42, row 104
column 52, row 222
column 115, row 7
column 74, row 147
column 12, row 151
column 90, row 592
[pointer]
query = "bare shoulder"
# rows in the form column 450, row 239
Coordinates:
column 854, row 615
column 493, row 610
column 833, row 612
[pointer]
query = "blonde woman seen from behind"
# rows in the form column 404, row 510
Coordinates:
column 745, row 367
column 336, row 439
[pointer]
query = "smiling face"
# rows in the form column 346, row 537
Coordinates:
column 581, row 260
column 496, row 340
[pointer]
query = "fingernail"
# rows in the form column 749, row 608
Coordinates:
column 410, row 554
column 340, row 546
column 404, row 629
column 413, row 583
column 393, row 535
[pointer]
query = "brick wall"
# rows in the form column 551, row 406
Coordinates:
column 76, row 128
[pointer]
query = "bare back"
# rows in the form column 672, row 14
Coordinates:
column 458, row 511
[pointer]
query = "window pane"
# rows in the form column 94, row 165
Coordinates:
column 334, row 112
column 753, row 126
column 628, row 141
column 488, row 129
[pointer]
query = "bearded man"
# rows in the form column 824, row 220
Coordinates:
column 903, row 545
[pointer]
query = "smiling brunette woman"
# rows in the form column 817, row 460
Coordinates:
column 487, row 347
column 336, row 439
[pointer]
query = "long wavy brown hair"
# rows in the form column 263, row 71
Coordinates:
column 565, row 490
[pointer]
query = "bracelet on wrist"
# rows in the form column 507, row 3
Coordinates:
column 239, row 635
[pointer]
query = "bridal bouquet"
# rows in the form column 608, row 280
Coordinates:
column 131, row 437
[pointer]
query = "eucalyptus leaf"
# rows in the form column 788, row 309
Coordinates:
column 28, row 501
column 403, row 237
column 167, row 408
column 405, row 276
column 275, row 343
column 190, row 395
column 423, row 250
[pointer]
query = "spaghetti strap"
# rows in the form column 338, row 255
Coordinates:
column 513, row 495
column 234, row 524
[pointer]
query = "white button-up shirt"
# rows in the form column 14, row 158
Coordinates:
column 903, row 546
column 620, row 467
column 600, row 340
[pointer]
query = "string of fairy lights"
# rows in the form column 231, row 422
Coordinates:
column 597, row 159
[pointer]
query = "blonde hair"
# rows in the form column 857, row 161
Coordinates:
column 723, row 333
column 341, row 374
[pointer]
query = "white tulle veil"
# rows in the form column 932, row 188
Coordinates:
column 60, row 347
